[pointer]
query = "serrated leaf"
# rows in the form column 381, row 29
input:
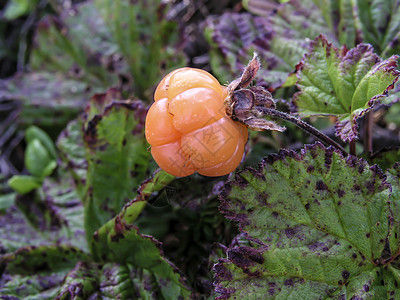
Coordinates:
column 280, row 37
column 120, row 241
column 23, row 184
column 117, row 157
column 345, row 84
column 314, row 225
column 80, row 283
column 109, row 281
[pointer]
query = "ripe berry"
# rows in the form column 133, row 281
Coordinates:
column 188, row 128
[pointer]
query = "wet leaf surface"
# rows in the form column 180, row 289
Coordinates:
column 316, row 224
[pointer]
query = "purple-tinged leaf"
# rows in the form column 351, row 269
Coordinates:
column 36, row 286
column 279, row 37
column 81, row 281
column 56, row 211
column 37, row 272
column 342, row 83
column 16, row 232
column 46, row 99
column 236, row 36
column 315, row 226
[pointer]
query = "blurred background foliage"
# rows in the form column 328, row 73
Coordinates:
column 76, row 78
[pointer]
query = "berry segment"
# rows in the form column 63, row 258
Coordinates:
column 188, row 128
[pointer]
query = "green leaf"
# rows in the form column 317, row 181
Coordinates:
column 313, row 226
column 38, row 160
column 119, row 281
column 109, row 281
column 393, row 177
column 345, row 84
column 18, row 8
column 6, row 201
column 40, row 286
column 23, row 184
column 130, row 212
column 110, row 43
column 81, row 282
column 386, row 158
column 117, row 157
column 380, row 24
column 31, row 259
column 34, row 132
column 119, row 241
column 146, row 38
column 122, row 243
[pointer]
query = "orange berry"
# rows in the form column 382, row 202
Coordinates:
column 188, row 128
column 159, row 126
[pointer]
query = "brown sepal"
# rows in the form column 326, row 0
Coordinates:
column 241, row 104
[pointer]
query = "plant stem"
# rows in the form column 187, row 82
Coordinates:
column 368, row 133
column 303, row 125
column 353, row 147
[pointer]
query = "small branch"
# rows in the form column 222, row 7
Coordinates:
column 303, row 125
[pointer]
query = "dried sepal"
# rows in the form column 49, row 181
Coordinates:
column 242, row 104
column 248, row 75
column 260, row 124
